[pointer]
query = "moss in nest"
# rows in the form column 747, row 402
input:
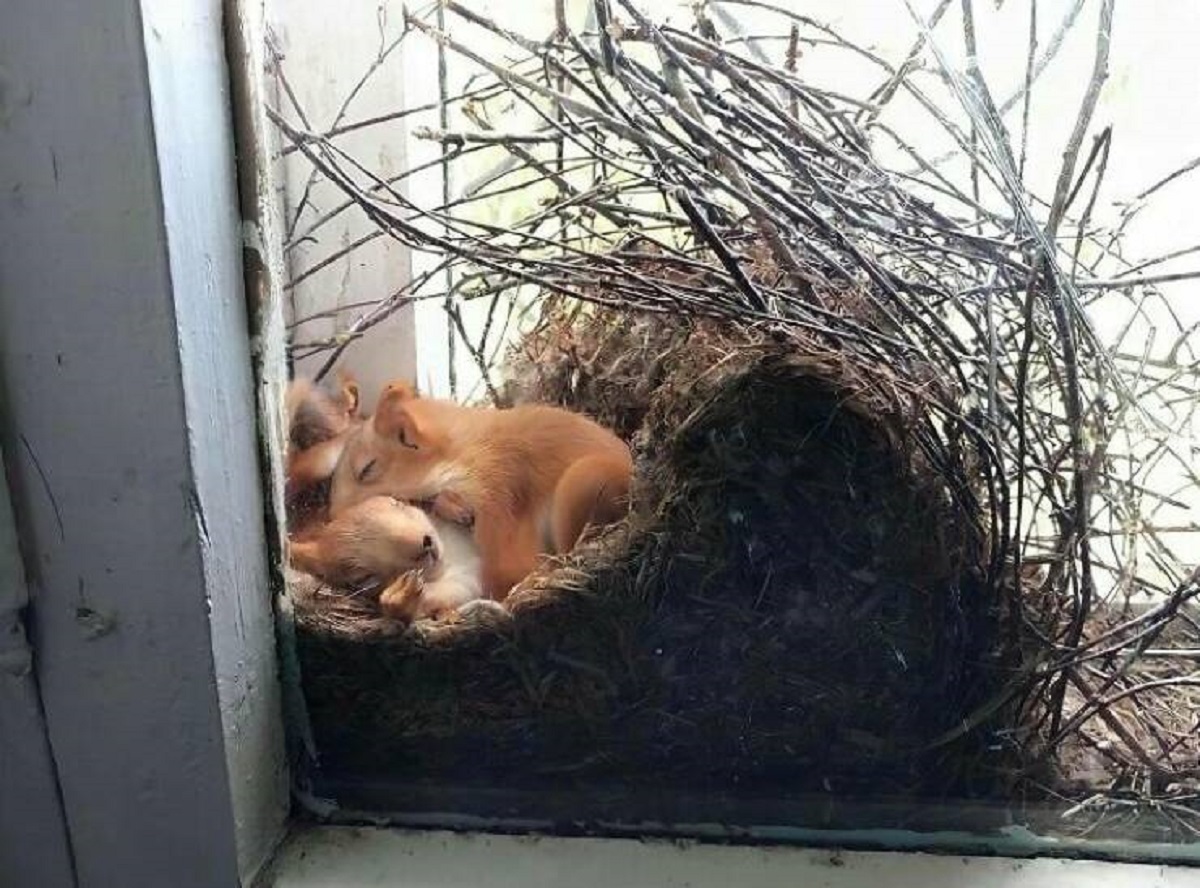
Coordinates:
column 817, row 608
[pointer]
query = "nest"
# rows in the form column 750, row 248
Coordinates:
column 897, row 494
column 797, row 593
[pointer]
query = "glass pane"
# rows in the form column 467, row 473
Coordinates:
column 892, row 306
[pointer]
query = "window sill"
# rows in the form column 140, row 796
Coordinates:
column 352, row 857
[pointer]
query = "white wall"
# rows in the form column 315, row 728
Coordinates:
column 327, row 48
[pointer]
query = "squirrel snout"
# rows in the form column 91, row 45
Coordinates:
column 430, row 550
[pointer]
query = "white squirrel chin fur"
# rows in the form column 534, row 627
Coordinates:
column 459, row 577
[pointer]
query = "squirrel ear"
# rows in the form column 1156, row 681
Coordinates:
column 350, row 393
column 299, row 392
column 393, row 419
column 398, row 390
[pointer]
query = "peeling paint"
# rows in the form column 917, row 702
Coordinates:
column 192, row 498
column 95, row 623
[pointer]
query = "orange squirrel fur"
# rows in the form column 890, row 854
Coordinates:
column 529, row 478
column 319, row 417
column 378, row 539
column 319, row 411
column 430, row 566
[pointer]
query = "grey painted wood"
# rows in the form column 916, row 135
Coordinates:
column 193, row 126
column 129, row 427
column 33, row 836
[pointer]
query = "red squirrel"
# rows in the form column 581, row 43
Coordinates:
column 528, row 479
column 430, row 567
column 319, row 411
column 319, row 416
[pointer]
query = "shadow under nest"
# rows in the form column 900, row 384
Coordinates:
column 797, row 598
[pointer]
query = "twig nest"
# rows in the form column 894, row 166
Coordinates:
column 796, row 594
